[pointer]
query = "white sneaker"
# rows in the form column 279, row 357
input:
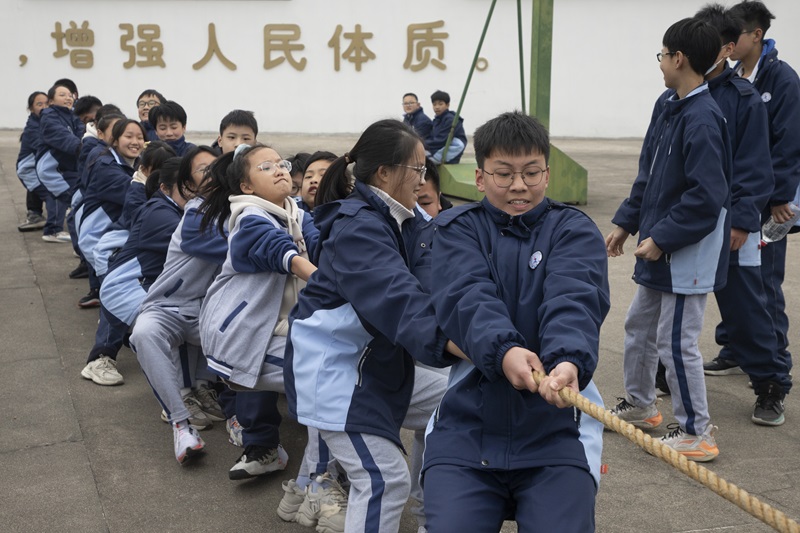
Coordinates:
column 324, row 508
column 293, row 497
column 61, row 236
column 188, row 443
column 103, row 371
column 258, row 460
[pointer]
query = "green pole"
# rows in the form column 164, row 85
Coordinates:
column 466, row 86
column 521, row 56
column 541, row 60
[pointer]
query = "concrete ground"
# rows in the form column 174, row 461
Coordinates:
column 77, row 457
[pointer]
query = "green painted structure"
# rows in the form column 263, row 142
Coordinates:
column 568, row 179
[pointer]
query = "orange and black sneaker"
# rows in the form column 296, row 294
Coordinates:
column 641, row 417
column 700, row 448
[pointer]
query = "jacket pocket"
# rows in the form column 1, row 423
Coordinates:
column 229, row 319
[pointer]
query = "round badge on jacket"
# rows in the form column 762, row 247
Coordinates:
column 536, row 258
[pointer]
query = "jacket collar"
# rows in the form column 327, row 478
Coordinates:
column 519, row 225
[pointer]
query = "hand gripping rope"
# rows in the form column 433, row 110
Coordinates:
column 764, row 512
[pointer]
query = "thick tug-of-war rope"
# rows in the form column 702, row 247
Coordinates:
column 764, row 512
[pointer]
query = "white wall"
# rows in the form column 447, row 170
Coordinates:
column 605, row 76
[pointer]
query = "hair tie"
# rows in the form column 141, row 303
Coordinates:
column 239, row 150
column 347, row 158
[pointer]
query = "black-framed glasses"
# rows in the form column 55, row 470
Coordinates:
column 269, row 167
column 419, row 170
column 504, row 177
column 148, row 103
column 660, row 55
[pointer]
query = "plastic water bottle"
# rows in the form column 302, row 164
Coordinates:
column 772, row 231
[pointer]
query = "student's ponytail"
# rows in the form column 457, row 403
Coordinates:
column 223, row 179
column 384, row 143
column 216, row 207
column 336, row 183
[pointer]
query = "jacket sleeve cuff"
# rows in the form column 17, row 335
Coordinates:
column 287, row 260
column 501, row 353
column 583, row 377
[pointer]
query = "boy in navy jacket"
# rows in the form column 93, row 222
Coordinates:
column 526, row 289
column 414, row 116
column 780, row 91
column 679, row 204
column 169, row 120
column 442, row 122
column 746, row 332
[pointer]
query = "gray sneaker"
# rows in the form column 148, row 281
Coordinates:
column 34, row 222
column 209, row 403
column 197, row 418
column 103, row 371
column 641, row 417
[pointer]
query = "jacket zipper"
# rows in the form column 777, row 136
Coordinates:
column 361, row 361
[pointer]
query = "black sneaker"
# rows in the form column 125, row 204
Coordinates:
column 258, row 460
column 662, row 387
column 92, row 299
column 81, row 271
column 721, row 367
column 769, row 407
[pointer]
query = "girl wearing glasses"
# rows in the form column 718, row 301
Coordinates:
column 243, row 318
column 362, row 321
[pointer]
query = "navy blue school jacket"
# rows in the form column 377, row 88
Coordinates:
column 780, row 91
column 109, row 178
column 150, row 131
column 26, row 160
column 150, row 235
column 359, row 323
column 30, row 138
column 180, row 146
column 539, row 281
column 421, row 122
column 752, row 179
column 441, row 129
column 681, row 196
column 88, row 145
column 60, row 134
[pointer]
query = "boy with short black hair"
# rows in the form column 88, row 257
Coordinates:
column 237, row 127
column 780, row 91
column 746, row 332
column 85, row 108
column 526, row 289
column 147, row 101
column 679, row 204
column 414, row 116
column 442, row 122
column 169, row 120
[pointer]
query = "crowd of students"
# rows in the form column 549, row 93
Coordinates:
column 236, row 274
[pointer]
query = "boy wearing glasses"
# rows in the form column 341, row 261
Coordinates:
column 147, row 101
column 526, row 289
column 414, row 116
column 679, row 204
column 779, row 86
